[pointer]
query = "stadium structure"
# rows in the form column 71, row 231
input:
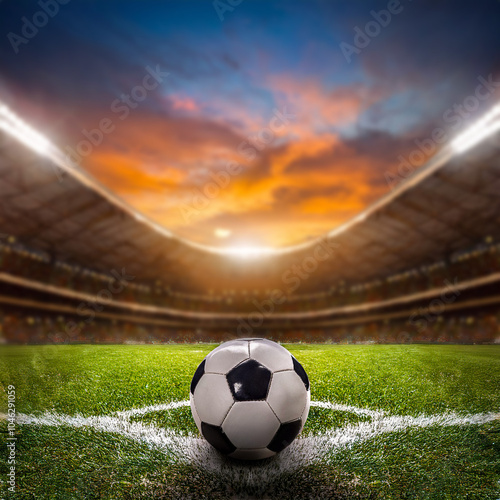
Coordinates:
column 78, row 264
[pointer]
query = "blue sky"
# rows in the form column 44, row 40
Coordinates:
column 352, row 119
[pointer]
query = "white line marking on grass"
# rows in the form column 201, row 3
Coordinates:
column 165, row 439
column 152, row 408
column 303, row 451
column 347, row 408
column 327, row 443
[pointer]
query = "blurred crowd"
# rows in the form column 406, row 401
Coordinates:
column 48, row 328
column 17, row 260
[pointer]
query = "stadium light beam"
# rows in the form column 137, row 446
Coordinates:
column 483, row 128
column 21, row 131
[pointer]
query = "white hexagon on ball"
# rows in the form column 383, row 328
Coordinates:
column 271, row 354
column 250, row 398
column 212, row 399
column 286, row 396
column 258, row 421
column 222, row 359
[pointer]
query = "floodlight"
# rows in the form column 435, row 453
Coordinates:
column 21, row 131
column 485, row 127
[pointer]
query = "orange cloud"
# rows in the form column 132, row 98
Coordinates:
column 302, row 184
column 319, row 108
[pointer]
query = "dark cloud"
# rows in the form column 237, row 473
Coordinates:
column 440, row 47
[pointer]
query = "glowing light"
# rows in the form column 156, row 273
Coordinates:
column 21, row 131
column 246, row 252
column 483, row 128
column 222, row 233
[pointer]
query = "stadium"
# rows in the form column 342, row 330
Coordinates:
column 106, row 313
column 79, row 265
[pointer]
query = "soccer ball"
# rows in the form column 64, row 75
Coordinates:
column 250, row 398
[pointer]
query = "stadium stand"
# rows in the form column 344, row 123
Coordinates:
column 421, row 264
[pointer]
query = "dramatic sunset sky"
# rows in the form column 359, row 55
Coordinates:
column 227, row 79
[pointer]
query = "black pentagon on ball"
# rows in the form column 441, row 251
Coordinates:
column 285, row 435
column 214, row 435
column 197, row 375
column 301, row 372
column 249, row 381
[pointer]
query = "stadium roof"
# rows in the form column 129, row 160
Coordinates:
column 448, row 205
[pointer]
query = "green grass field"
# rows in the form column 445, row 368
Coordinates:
column 423, row 459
